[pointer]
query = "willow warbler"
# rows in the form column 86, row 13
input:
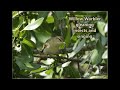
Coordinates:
column 52, row 45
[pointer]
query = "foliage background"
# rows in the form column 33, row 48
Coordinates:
column 31, row 29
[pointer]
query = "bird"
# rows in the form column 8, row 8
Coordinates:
column 51, row 46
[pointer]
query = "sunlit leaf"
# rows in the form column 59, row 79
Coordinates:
column 15, row 13
column 33, row 39
column 101, row 26
column 32, row 21
column 62, row 46
column 106, row 28
column 86, row 74
column 105, row 54
column 61, row 71
column 48, row 61
column 38, row 70
column 48, row 72
column 84, row 67
column 43, row 73
column 34, row 25
column 66, row 64
column 97, row 70
column 58, row 69
column 50, row 19
column 99, row 77
column 74, row 38
column 30, row 43
column 22, row 34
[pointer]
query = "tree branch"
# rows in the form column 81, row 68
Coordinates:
column 60, row 57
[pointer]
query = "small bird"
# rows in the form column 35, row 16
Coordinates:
column 52, row 45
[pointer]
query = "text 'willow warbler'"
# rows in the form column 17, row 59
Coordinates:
column 52, row 45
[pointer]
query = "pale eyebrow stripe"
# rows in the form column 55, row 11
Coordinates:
column 60, row 39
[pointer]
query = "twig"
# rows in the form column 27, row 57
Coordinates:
column 60, row 57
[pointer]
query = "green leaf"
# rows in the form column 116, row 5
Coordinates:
column 103, row 40
column 50, row 19
column 15, row 13
column 58, row 69
column 68, row 34
column 99, row 77
column 29, row 43
column 17, row 23
column 34, row 25
column 25, row 73
column 28, row 65
column 105, row 54
column 78, row 48
column 99, row 47
column 48, row 72
column 48, row 61
column 26, row 54
column 84, row 67
column 22, row 34
column 42, row 13
column 61, row 71
column 94, row 57
column 60, row 14
column 101, row 26
column 62, row 46
column 20, row 64
column 66, row 64
column 76, row 44
column 106, row 28
column 74, row 38
column 71, row 72
column 26, row 51
column 21, row 19
column 20, row 60
column 42, row 36
column 38, row 70
column 24, row 58
column 16, row 33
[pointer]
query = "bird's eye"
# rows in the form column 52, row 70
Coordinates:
column 47, row 45
column 60, row 39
